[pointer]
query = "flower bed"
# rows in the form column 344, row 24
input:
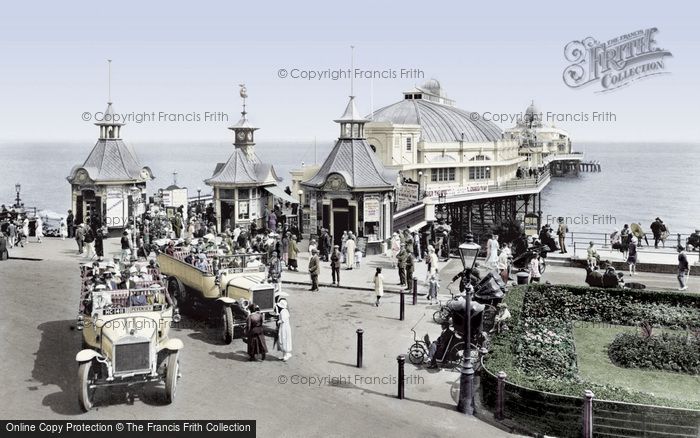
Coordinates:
column 667, row 352
column 539, row 350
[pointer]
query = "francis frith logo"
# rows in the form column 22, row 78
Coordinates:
column 615, row 63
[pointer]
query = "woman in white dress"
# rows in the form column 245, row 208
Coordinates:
column 39, row 231
column 395, row 248
column 378, row 286
column 25, row 229
column 284, row 331
column 492, row 252
column 350, row 250
column 63, row 229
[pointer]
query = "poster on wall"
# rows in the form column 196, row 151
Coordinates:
column 371, row 211
column 116, row 208
column 243, row 209
column 406, row 195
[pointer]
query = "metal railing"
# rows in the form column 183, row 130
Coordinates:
column 542, row 179
column 580, row 240
column 568, row 416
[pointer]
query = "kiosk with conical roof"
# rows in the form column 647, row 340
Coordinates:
column 352, row 190
column 110, row 186
column 243, row 186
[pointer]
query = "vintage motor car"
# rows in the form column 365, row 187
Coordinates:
column 125, row 340
column 240, row 280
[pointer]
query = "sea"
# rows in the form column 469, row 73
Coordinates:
column 637, row 182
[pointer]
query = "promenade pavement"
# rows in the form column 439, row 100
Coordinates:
column 318, row 392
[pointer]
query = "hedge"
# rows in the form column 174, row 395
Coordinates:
column 667, row 352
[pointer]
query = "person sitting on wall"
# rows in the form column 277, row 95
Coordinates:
column 611, row 279
column 502, row 318
column 593, row 277
column 694, row 241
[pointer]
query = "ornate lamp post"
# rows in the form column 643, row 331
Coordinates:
column 300, row 218
column 199, row 200
column 135, row 200
column 468, row 252
column 18, row 187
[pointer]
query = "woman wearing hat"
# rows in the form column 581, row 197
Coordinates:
column 284, row 331
column 335, row 265
column 292, row 254
column 632, row 255
column 255, row 333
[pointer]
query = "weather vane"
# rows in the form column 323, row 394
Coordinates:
column 244, row 94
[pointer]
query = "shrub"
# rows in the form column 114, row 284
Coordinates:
column 615, row 306
column 667, row 352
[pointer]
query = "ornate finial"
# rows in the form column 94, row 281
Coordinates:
column 109, row 81
column 244, row 94
column 352, row 70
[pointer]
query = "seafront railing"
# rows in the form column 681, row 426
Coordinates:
column 532, row 182
column 580, row 241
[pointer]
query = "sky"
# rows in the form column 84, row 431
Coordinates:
column 189, row 57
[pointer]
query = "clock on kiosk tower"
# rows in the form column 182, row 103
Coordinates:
column 244, row 130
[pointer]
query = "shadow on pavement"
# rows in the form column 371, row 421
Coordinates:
column 342, row 363
column 454, row 391
column 55, row 365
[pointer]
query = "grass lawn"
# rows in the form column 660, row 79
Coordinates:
column 592, row 343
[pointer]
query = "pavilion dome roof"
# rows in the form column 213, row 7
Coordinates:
column 439, row 122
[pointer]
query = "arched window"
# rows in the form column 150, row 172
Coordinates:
column 479, row 157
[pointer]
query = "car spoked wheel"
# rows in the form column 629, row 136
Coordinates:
column 227, row 324
column 88, row 373
column 171, row 375
column 178, row 291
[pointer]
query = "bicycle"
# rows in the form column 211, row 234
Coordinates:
column 441, row 315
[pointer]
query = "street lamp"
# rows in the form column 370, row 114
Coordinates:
column 468, row 251
column 135, row 201
column 300, row 218
column 18, row 187
column 199, row 200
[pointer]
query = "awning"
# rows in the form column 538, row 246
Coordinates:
column 279, row 193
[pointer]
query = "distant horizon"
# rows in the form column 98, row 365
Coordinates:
column 319, row 141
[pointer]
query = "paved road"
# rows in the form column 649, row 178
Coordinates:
column 39, row 381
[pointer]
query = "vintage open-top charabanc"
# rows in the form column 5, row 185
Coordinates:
column 241, row 279
column 125, row 338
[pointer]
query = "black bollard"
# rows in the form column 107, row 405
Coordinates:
column 415, row 291
column 359, row 347
column 401, row 359
column 401, row 306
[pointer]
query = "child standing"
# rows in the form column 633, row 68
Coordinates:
column 433, row 288
column 358, row 258
column 632, row 255
column 378, row 285
column 535, row 273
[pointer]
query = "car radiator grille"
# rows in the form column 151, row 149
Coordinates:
column 131, row 357
column 264, row 298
